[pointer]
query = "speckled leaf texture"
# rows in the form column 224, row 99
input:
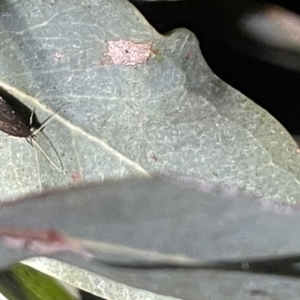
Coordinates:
column 137, row 102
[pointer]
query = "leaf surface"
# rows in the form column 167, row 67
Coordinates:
column 154, row 222
column 133, row 114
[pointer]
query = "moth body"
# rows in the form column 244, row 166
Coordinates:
column 18, row 120
column 19, row 123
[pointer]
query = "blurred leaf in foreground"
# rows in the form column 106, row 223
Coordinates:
column 22, row 282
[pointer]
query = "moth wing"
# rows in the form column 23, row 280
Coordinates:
column 12, row 122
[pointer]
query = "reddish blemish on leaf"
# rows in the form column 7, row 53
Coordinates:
column 49, row 235
column 128, row 53
column 41, row 242
column 76, row 176
column 58, row 55
column 189, row 54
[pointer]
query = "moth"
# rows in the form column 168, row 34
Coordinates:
column 18, row 120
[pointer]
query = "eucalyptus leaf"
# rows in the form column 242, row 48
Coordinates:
column 137, row 103
column 161, row 235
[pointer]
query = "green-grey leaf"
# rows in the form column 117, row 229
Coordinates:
column 175, row 221
column 168, row 112
column 21, row 282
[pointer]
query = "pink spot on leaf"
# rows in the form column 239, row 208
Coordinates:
column 41, row 242
column 58, row 55
column 76, row 176
column 128, row 53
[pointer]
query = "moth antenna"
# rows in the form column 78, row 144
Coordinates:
column 46, row 121
column 52, row 163
column 53, row 149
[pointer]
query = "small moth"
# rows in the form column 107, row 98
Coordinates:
column 18, row 120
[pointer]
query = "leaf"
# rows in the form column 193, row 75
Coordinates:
column 22, row 282
column 170, row 113
column 155, row 222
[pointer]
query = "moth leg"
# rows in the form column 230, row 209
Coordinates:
column 29, row 140
column 31, row 117
column 45, row 154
